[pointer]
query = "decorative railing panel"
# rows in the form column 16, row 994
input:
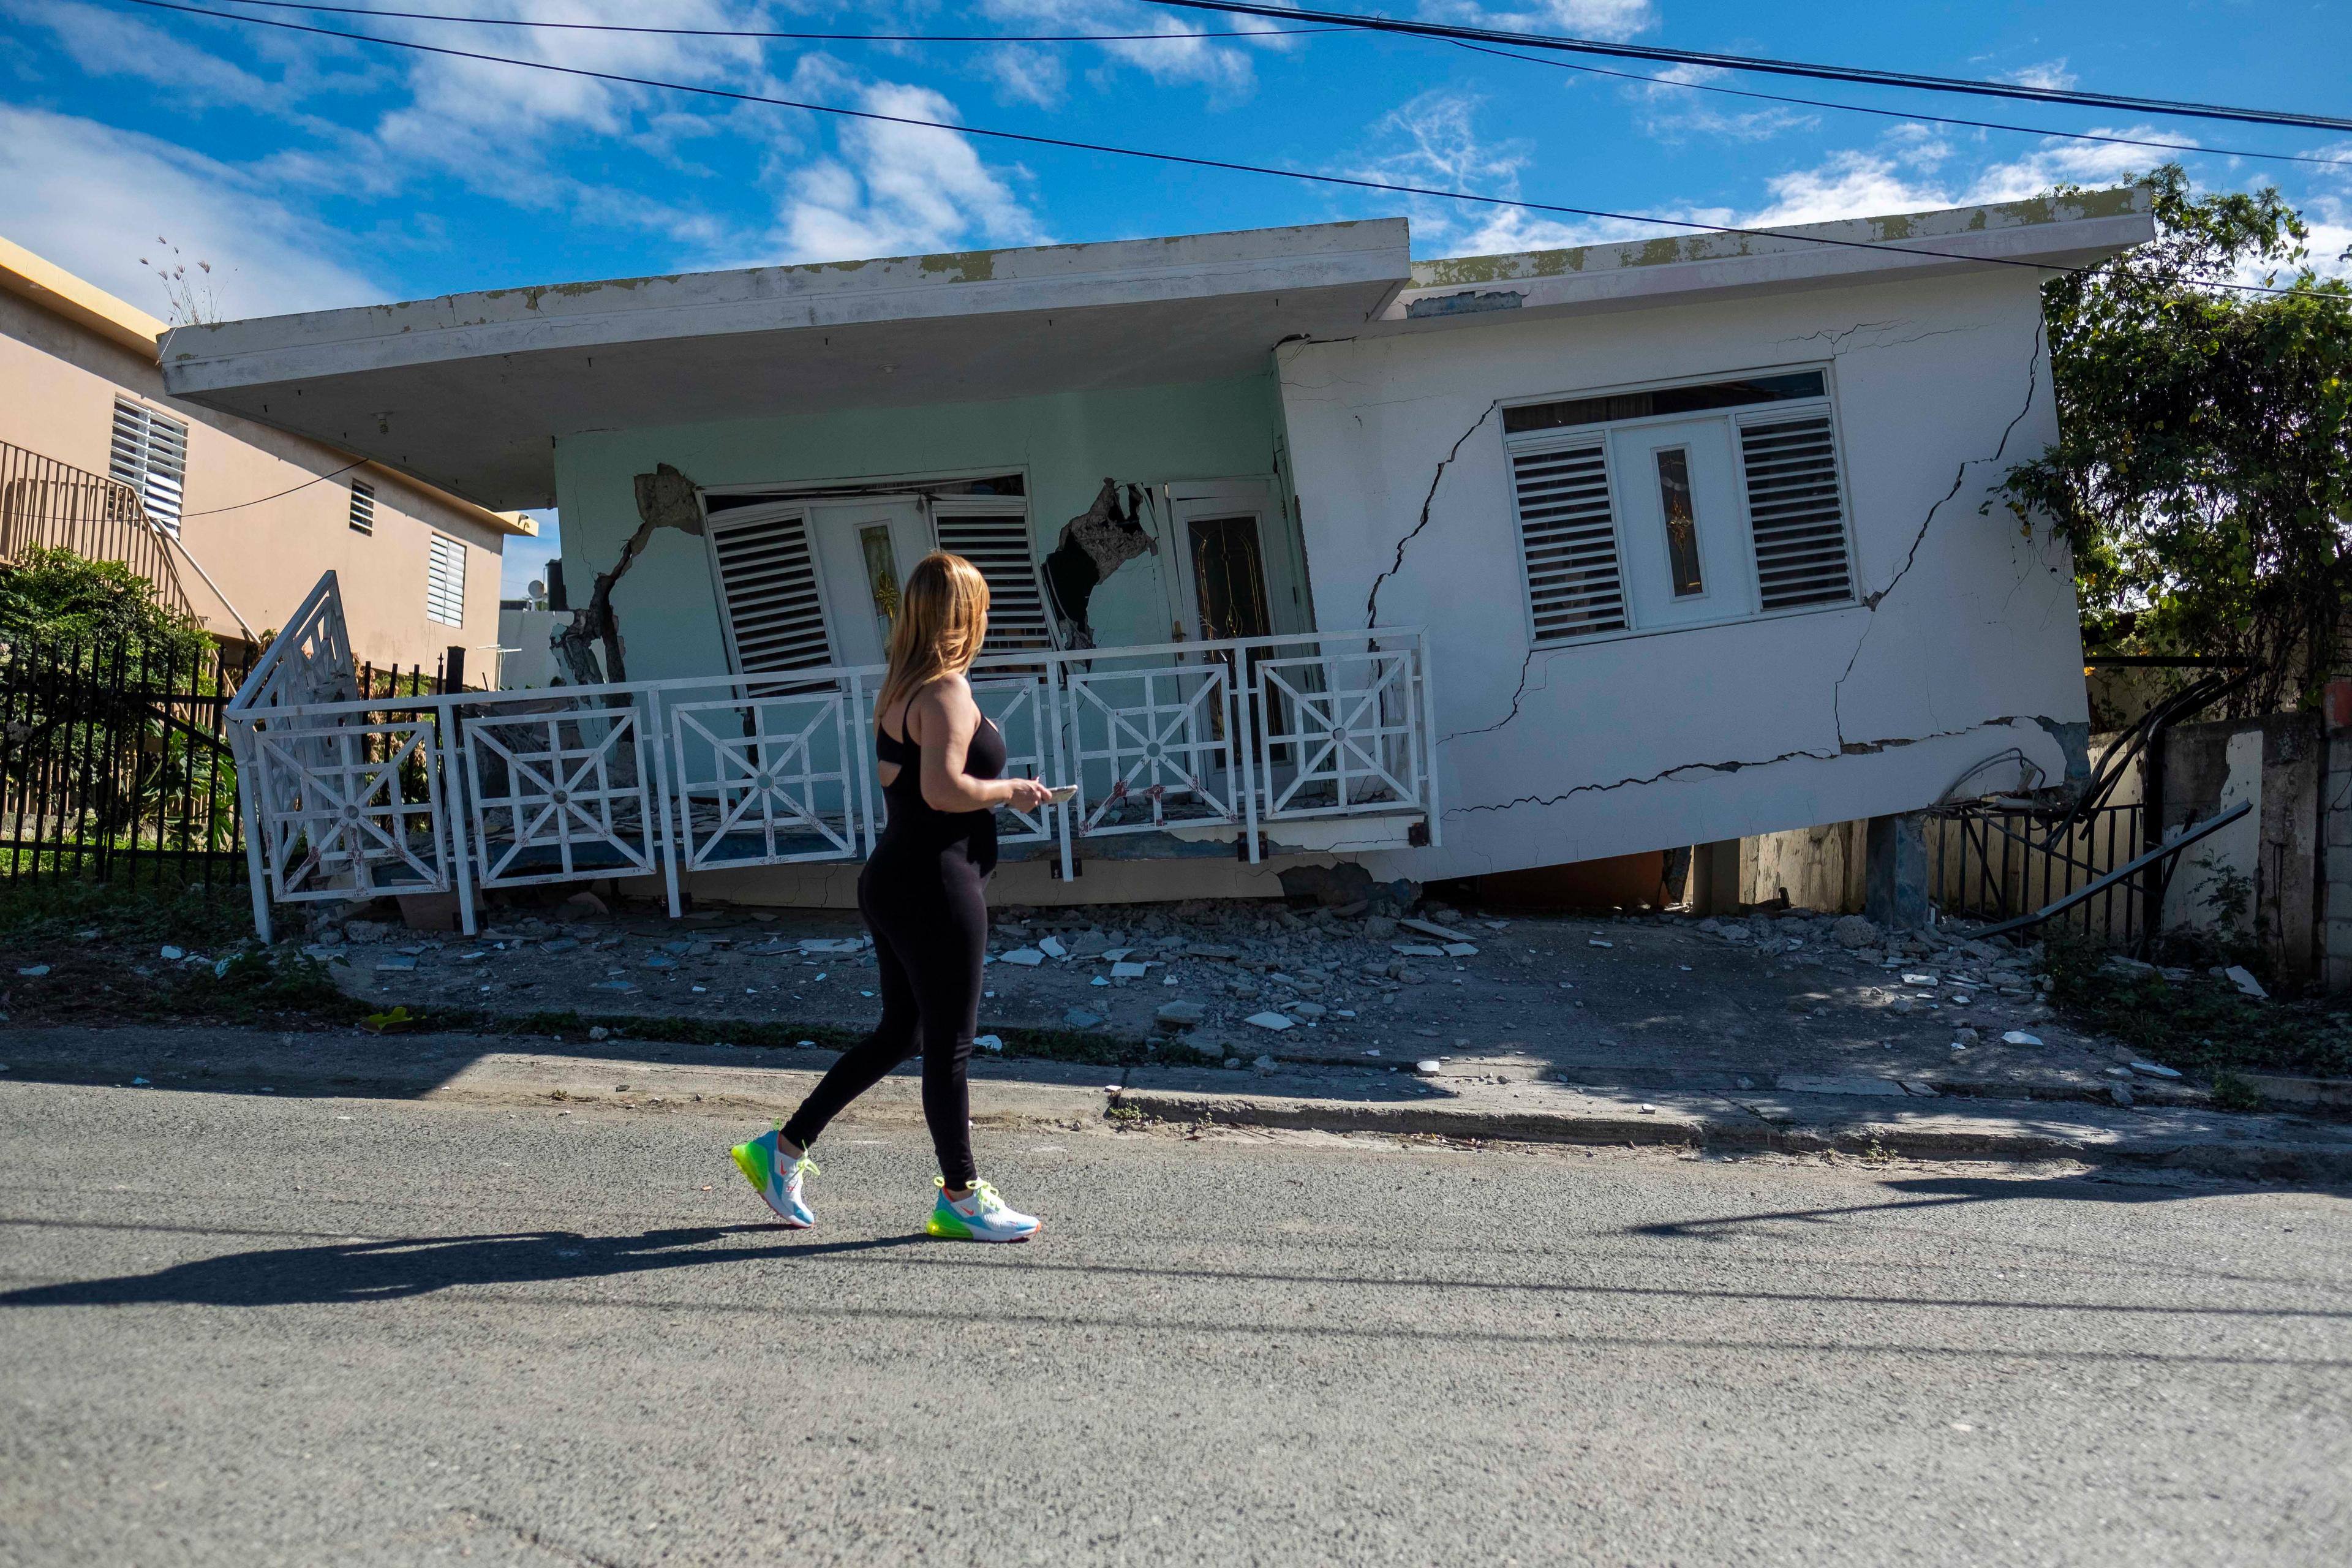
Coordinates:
column 356, row 796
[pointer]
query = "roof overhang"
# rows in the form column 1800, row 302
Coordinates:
column 2042, row 233
column 470, row 391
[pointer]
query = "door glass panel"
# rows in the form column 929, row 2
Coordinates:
column 1681, row 519
column 881, row 576
column 1229, row 578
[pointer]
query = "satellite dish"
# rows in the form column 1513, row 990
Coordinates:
column 538, row 589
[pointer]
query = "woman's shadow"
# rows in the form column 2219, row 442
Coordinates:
column 387, row 1270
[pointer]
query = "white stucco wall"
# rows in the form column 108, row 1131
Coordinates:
column 1974, row 642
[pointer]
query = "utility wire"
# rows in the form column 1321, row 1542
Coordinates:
column 1181, row 159
column 1261, row 32
column 799, row 37
column 1887, row 113
column 1862, row 74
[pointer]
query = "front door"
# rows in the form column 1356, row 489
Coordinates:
column 1227, row 567
column 864, row 549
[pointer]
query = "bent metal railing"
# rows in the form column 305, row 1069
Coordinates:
column 349, row 796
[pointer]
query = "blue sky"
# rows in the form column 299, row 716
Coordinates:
column 310, row 172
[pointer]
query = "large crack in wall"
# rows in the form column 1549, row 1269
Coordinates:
column 1372, row 599
column 1870, row 603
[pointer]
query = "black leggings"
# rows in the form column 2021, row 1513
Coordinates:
column 931, row 932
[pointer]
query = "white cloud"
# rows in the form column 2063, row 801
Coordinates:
column 2050, row 75
column 1027, row 75
column 1186, row 58
column 894, row 190
column 1612, row 19
column 1432, row 142
column 93, row 199
column 1903, row 174
column 1676, row 113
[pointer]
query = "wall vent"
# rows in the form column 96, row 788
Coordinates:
column 1802, row 556
column 1568, row 542
column 768, row 579
column 362, row 507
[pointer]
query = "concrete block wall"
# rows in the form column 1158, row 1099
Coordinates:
column 2335, row 841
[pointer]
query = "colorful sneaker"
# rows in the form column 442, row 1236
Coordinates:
column 978, row 1215
column 776, row 1179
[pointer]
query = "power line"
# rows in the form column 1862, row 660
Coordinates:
column 1890, row 113
column 1255, row 33
column 1350, row 182
column 797, row 38
column 1862, row 74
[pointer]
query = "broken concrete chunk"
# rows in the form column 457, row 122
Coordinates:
column 1129, row 971
column 1417, row 949
column 2155, row 1069
column 987, row 1043
column 558, row 944
column 1380, row 928
column 1052, row 948
column 1080, row 1018
column 2245, row 982
column 1427, row 928
column 1596, row 942
column 1180, row 1015
column 1429, row 1067
column 2019, row 1037
column 1460, row 950
column 1024, row 957
column 1276, row 1022
column 1309, row 1009
column 394, row 964
column 2120, row 1093
column 1852, row 930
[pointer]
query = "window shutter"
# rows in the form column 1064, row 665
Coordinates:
column 362, row 507
column 998, row 546
column 444, row 582
column 1568, row 542
column 768, row 582
column 1793, row 509
column 150, row 454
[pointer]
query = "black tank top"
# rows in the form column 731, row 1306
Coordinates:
column 917, row 827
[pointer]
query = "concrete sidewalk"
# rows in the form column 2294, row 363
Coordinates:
column 1866, row 1117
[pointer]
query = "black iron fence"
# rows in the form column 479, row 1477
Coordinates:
column 1994, row 861
column 115, row 763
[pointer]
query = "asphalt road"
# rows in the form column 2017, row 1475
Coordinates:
column 237, row 1329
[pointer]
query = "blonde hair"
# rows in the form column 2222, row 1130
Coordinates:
column 943, row 617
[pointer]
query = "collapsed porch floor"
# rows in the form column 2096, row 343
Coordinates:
column 1663, row 1007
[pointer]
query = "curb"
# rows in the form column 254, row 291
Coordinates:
column 2315, row 1163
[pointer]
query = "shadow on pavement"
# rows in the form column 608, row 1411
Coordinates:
column 357, row 1271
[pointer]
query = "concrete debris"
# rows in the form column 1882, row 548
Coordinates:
column 1429, row 1067
column 2153, row 1070
column 1459, row 949
column 1180, row 1015
column 2120, row 1093
column 1596, row 942
column 33, row 971
column 1266, row 1064
column 1052, row 948
column 1026, row 957
column 394, row 965
column 1080, row 1018
column 2019, row 1037
column 1854, row 932
column 1124, row 970
column 1309, row 1009
column 987, row 1043
column 1274, row 1021
column 2246, row 984
column 1428, row 928
column 1417, row 949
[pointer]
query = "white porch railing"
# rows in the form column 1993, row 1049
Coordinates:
column 349, row 796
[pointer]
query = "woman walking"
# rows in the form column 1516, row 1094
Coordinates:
column 921, row 896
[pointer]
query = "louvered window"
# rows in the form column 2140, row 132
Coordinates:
column 150, row 454
column 362, row 507
column 1568, row 542
column 768, row 582
column 445, row 581
column 998, row 546
column 1795, row 514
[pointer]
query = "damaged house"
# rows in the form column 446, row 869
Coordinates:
column 1302, row 553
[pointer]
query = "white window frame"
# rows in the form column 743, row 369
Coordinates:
column 1735, row 418
column 142, row 470
column 432, row 551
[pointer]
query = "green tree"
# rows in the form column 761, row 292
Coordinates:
column 2203, row 470
column 53, row 597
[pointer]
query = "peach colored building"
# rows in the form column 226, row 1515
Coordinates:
column 245, row 517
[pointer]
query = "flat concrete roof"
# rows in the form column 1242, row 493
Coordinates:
column 2044, row 230
column 469, row 392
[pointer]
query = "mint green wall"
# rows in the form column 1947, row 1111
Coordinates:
column 1066, row 444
